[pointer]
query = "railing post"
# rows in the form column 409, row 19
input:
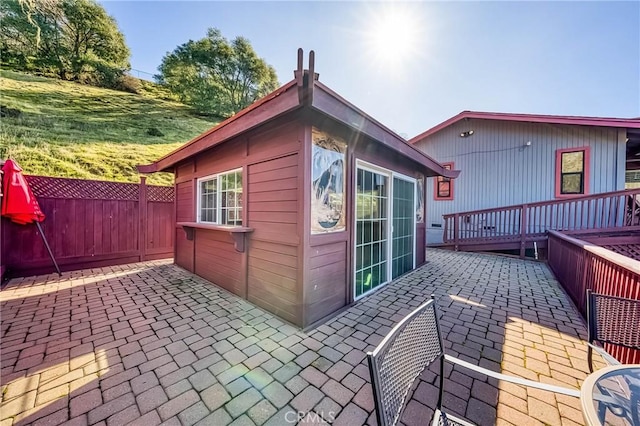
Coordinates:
column 582, row 292
column 445, row 234
column 142, row 223
column 523, row 229
column 456, row 230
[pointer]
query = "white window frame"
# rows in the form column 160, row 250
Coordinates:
column 413, row 221
column 365, row 165
column 219, row 209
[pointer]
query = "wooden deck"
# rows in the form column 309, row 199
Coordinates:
column 628, row 250
column 591, row 243
column 580, row 266
column 525, row 226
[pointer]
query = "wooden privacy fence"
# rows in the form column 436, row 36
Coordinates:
column 580, row 266
column 520, row 225
column 91, row 224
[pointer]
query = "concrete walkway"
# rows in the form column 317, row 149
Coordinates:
column 149, row 343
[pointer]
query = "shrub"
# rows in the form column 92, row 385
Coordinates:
column 154, row 131
column 5, row 111
column 128, row 83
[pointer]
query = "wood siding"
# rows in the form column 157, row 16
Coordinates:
column 185, row 212
column 328, row 286
column 498, row 170
column 266, row 273
column 329, row 257
column 217, row 261
column 272, row 193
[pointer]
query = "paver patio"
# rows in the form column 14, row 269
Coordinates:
column 150, row 343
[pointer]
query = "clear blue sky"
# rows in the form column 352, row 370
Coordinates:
column 567, row 58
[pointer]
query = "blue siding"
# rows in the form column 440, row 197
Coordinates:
column 498, row 170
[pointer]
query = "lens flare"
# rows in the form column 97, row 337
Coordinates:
column 394, row 34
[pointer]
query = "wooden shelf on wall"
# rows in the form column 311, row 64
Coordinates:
column 237, row 232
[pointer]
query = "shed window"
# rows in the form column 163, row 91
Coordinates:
column 572, row 171
column 220, row 198
column 443, row 185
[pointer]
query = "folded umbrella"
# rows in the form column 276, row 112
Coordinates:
column 18, row 202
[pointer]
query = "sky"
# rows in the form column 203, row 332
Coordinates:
column 413, row 65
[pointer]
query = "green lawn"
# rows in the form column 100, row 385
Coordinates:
column 66, row 129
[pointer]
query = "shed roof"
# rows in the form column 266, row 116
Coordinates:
column 629, row 123
column 301, row 92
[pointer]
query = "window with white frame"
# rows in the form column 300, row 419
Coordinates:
column 220, row 198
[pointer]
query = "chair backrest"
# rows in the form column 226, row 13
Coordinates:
column 614, row 320
column 409, row 348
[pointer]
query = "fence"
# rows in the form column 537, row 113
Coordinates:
column 515, row 226
column 91, row 224
column 580, row 266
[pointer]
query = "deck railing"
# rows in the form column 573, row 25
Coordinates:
column 580, row 266
column 529, row 222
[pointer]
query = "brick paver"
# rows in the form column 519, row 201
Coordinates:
column 149, row 343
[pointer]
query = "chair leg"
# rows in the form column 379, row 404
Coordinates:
column 441, row 391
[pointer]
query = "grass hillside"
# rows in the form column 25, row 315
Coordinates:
column 59, row 128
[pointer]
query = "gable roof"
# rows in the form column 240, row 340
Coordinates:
column 632, row 123
column 304, row 91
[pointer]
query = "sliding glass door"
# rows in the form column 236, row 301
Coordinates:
column 372, row 229
column 403, row 240
column 382, row 251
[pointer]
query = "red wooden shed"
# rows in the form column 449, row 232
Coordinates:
column 301, row 203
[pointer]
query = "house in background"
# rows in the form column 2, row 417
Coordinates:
column 301, row 203
column 509, row 159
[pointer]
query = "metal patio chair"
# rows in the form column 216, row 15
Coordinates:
column 632, row 210
column 614, row 320
column 410, row 347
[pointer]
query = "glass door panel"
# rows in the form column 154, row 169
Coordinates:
column 402, row 245
column 372, row 229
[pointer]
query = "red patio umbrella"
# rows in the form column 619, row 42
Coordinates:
column 18, row 202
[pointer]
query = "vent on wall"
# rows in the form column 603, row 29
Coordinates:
column 436, row 225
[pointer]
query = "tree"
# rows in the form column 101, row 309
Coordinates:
column 215, row 76
column 77, row 39
column 23, row 23
column 93, row 44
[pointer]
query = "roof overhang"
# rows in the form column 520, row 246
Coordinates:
column 629, row 123
column 333, row 105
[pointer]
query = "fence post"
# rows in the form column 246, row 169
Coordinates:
column 523, row 229
column 142, row 211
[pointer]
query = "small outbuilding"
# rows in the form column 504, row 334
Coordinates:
column 301, row 203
